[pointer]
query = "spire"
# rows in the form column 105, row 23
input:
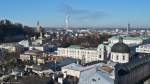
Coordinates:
column 39, row 29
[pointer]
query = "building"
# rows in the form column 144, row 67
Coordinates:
column 31, row 55
column 47, row 48
column 103, row 51
column 143, row 49
column 24, row 43
column 84, row 54
column 75, row 69
column 129, row 40
column 72, row 70
column 42, row 70
column 106, row 48
column 12, row 47
column 121, row 68
column 93, row 74
column 40, row 48
column 120, row 52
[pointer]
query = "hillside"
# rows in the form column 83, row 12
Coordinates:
column 11, row 32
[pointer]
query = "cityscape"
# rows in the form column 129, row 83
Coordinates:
column 74, row 42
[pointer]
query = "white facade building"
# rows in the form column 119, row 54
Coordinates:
column 120, row 57
column 88, row 55
column 129, row 40
column 143, row 48
column 24, row 43
column 40, row 48
column 120, row 52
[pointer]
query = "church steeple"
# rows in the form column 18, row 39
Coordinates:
column 39, row 29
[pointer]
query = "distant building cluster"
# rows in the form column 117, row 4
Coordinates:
column 69, row 56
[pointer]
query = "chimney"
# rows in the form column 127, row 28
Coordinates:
column 67, row 22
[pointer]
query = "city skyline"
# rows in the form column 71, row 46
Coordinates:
column 51, row 13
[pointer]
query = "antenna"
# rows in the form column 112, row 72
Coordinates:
column 38, row 23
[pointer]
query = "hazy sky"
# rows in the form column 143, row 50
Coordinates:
column 82, row 12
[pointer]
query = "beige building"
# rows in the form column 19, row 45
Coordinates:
column 31, row 55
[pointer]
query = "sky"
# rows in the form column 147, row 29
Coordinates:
column 82, row 13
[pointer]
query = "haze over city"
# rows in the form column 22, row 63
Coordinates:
column 82, row 13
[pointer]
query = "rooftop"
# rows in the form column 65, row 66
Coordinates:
column 145, row 46
column 106, row 68
column 75, row 46
column 9, row 45
column 126, row 38
column 79, row 47
column 77, row 67
column 97, row 76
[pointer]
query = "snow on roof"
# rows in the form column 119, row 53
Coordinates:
column 145, row 46
column 93, row 76
column 78, row 67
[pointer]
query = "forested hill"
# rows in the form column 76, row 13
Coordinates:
column 11, row 32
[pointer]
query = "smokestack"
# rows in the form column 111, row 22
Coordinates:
column 67, row 22
column 128, row 28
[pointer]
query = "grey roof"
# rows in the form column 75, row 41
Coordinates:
column 120, row 48
column 93, row 76
column 41, row 67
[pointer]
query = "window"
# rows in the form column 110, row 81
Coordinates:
column 94, row 80
column 117, row 57
column 123, row 57
column 100, row 56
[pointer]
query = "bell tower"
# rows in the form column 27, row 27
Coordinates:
column 39, row 29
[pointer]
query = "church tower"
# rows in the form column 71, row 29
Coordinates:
column 39, row 29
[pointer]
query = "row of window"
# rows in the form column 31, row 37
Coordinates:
column 117, row 57
column 77, row 52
